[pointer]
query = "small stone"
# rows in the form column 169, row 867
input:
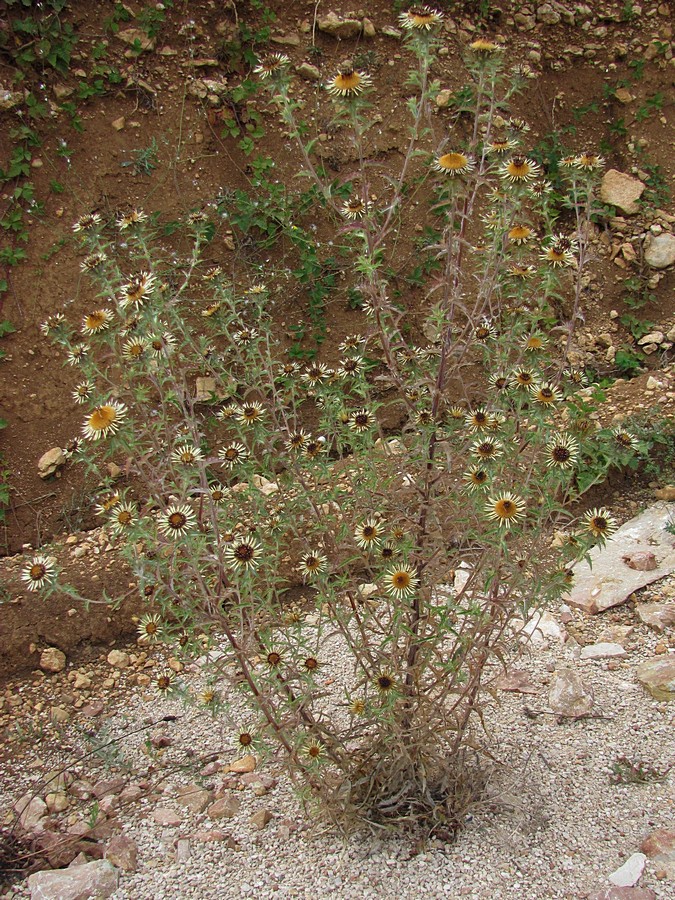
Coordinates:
column 623, row 95
column 119, row 124
column 654, row 337
column 641, row 560
column 443, row 98
column 225, row 808
column 659, row 842
column 50, row 462
column 183, row 851
column 308, row 72
column 193, row 797
column 118, row 658
column 658, row 616
column 516, row 680
column 57, row 801
column 245, row 764
column 91, row 710
column 91, row 879
column 168, row 818
column 369, row 30
column 602, row 650
column 137, row 39
column 30, row 810
column 52, row 660
column 630, row 872
column 340, row 28
column 622, row 191
column 209, row 836
column 623, row 893
column 547, row 14
column 81, row 682
column 122, row 852
column 261, row 818
column 107, row 786
column 658, row 677
column 665, row 493
column 569, row 696
column 205, row 389
column 59, row 714
column 660, row 250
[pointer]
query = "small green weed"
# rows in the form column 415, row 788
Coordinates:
column 635, row 771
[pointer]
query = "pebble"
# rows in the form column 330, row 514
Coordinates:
column 52, row 660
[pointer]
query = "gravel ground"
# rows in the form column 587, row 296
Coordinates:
column 552, row 824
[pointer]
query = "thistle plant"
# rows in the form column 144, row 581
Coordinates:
column 253, row 479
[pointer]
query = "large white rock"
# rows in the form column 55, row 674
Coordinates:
column 660, row 250
column 629, row 873
column 611, row 579
column 95, row 879
column 622, row 191
column 569, row 696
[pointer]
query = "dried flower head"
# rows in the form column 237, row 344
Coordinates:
column 123, row 517
column 454, row 163
column 96, row 321
column 484, row 47
column 361, row 420
column 477, row 478
column 600, row 523
column 149, row 627
column 354, row 208
column 313, row 564
column 562, row 451
column 401, row 581
column 545, row 394
column 38, row 572
column 348, row 82
column 104, row 420
column 519, row 169
column 244, row 554
column 128, row 220
column 369, row 534
column 177, row 520
column 83, row 391
column 87, row 222
column 272, row 65
column 506, row 508
column 137, row 290
column 420, row 18
column 588, row 161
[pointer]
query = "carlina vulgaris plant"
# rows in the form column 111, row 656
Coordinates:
column 414, row 555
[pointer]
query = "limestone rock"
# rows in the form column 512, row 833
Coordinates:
column 205, row 388
column 623, row 893
column 339, row 27
column 95, row 879
column 659, row 842
column 50, row 462
column 225, row 808
column 658, row 677
column 516, row 680
column 137, row 39
column 30, row 810
column 658, row 616
column 569, row 696
column 118, row 659
column 630, row 872
column 660, row 250
column 193, row 797
column 260, row 818
column 308, row 72
column 622, row 191
column 609, row 581
column 547, row 14
column 52, row 660
column 122, row 852
column 245, row 764
column 602, row 650
column 167, row 818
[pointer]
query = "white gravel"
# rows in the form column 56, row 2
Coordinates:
column 552, row 825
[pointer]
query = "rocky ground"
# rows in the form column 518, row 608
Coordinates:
column 142, row 797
